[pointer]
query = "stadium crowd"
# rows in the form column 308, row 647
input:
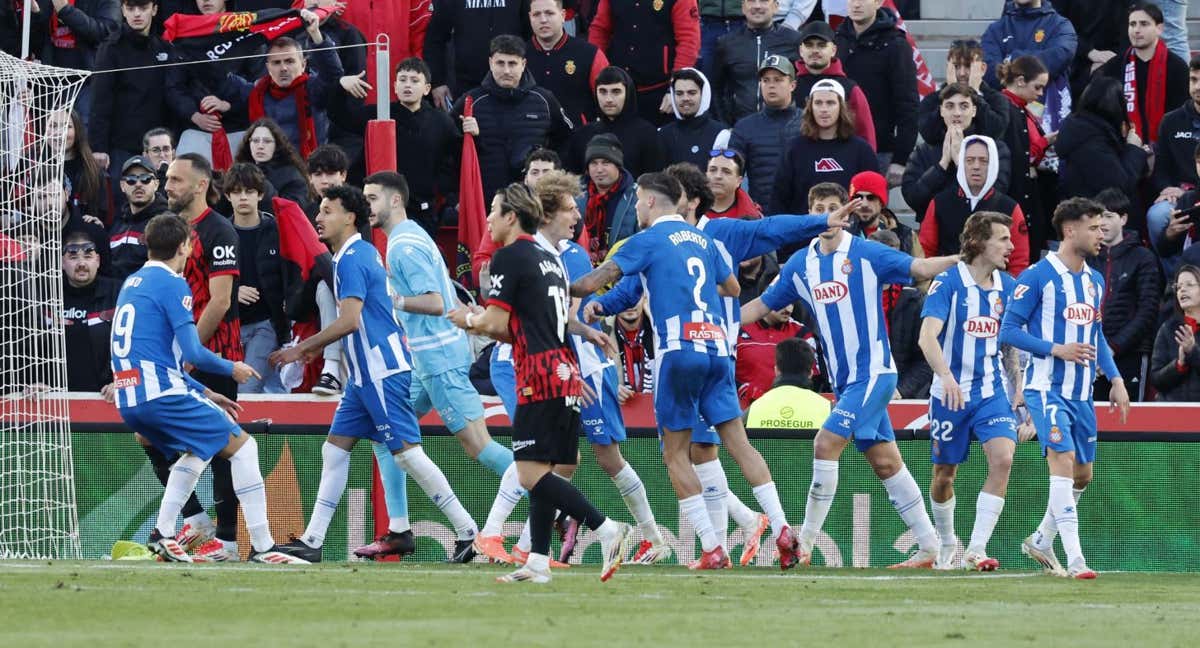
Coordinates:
column 767, row 98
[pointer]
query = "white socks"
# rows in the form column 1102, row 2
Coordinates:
column 902, row 489
column 431, row 480
column 1066, row 518
column 184, row 475
column 714, row 487
column 335, row 470
column 200, row 520
column 694, row 510
column 987, row 511
column 943, row 520
column 248, row 486
column 507, row 497
column 634, row 493
column 399, row 524
column 820, row 498
column 1043, row 538
column 768, row 500
column 741, row 514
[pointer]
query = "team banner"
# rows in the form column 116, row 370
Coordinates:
column 216, row 36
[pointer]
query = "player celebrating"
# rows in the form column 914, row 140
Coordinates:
column 960, row 338
column 1055, row 316
column 840, row 278
column 421, row 295
column 682, row 269
column 528, row 306
column 375, row 404
column 153, row 334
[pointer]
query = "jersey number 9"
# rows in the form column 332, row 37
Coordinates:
column 122, row 329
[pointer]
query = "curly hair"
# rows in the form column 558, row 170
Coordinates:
column 353, row 201
column 977, row 231
column 284, row 151
column 552, row 187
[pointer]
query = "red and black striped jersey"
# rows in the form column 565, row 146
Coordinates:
column 215, row 253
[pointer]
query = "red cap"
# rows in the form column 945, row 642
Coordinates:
column 872, row 183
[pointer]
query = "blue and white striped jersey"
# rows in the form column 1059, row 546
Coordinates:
column 1052, row 305
column 843, row 289
column 415, row 267
column 970, row 337
column 680, row 268
column 376, row 350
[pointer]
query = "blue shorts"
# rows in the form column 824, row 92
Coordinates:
column 180, row 423
column 380, row 412
column 451, row 394
column 602, row 420
column 504, row 379
column 1063, row 425
column 951, row 432
column 861, row 412
column 690, row 384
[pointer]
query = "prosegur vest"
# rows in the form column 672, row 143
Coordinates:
column 790, row 408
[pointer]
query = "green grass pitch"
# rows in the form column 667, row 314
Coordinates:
column 420, row 604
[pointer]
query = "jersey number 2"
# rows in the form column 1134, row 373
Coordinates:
column 122, row 328
column 696, row 269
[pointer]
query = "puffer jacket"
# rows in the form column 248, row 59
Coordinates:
column 115, row 124
column 1174, row 383
column 735, row 66
column 880, row 60
column 1132, row 289
column 762, row 138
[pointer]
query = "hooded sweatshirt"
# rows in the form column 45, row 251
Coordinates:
column 948, row 211
column 639, row 138
column 690, row 139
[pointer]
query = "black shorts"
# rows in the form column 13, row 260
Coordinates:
column 547, row 431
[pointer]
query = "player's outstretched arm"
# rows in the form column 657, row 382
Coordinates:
column 625, row 294
column 196, row 354
column 926, row 269
column 607, row 273
column 730, row 287
column 754, row 310
column 346, row 323
column 931, row 328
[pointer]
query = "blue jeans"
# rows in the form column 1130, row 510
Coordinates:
column 711, row 30
column 258, row 341
column 1175, row 32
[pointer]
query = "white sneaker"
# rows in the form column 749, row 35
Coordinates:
column 649, row 553
column 525, row 575
column 919, row 559
column 1046, row 557
column 215, row 551
column 614, row 550
column 1081, row 571
column 979, row 561
column 169, row 550
column 192, row 537
column 945, row 558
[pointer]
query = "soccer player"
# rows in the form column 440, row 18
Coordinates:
column 840, row 278
column 375, row 404
column 152, row 336
column 968, row 399
column 682, row 270
column 528, row 307
column 1054, row 315
column 421, row 295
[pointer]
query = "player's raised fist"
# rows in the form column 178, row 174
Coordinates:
column 243, row 372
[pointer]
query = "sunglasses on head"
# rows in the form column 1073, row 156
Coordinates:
column 79, row 248
column 729, row 153
column 144, row 178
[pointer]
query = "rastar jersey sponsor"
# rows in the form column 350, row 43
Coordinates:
column 970, row 337
column 215, row 253
column 1058, row 306
column 843, row 289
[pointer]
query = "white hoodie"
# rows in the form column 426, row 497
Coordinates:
column 992, row 172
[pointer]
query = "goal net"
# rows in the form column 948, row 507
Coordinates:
column 38, row 518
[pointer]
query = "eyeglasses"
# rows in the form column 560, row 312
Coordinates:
column 159, row 150
column 144, row 178
column 262, row 140
column 75, row 249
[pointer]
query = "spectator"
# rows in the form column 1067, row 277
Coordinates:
column 88, row 303
column 756, row 344
column 793, row 13
column 143, row 201
column 327, row 167
column 650, row 41
column 1175, row 30
column 158, row 146
column 725, row 170
column 965, row 64
column 460, row 31
column 1180, row 231
column 1174, row 153
column 88, row 189
column 1024, row 80
column 635, row 345
column 876, row 54
column 428, row 144
column 1132, row 289
column 609, row 201
column 1096, row 147
column 1175, row 366
column 695, row 131
column 818, row 61
column 791, row 402
column 618, row 114
column 1033, row 27
column 944, row 220
column 72, row 31
column 755, row 275
column 516, row 117
column 563, row 64
column 931, row 167
column 540, row 162
column 116, row 130
column 738, row 55
column 762, row 137
column 264, row 326
column 267, row 146
column 873, row 213
column 902, row 306
column 335, row 27
column 1101, row 32
column 717, row 18
column 1155, row 79
column 827, row 150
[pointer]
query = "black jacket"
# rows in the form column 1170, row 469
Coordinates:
column 1016, row 137
column 1176, row 85
column 1175, row 150
column 924, row 176
column 904, row 329
column 91, row 21
column 286, row 179
column 125, row 238
column 690, row 139
column 640, row 145
column 1093, row 157
column 807, row 162
column 567, row 70
column 127, row 104
column 461, row 30
column 269, row 266
column 1172, row 384
column 1132, row 290
column 992, row 114
column 880, row 60
column 762, row 138
column 735, row 66
column 87, row 323
column 512, row 122
column 188, row 84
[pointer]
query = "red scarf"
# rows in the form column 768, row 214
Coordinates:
column 1037, row 140
column 635, row 356
column 1156, row 92
column 298, row 91
column 61, row 35
column 594, row 219
column 890, row 295
column 222, row 156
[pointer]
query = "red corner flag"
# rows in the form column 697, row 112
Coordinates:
column 472, row 209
